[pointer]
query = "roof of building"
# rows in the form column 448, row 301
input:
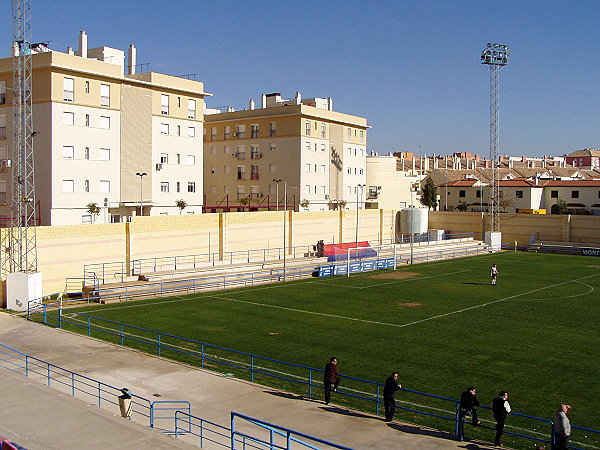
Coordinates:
column 584, row 152
column 458, row 183
column 572, row 183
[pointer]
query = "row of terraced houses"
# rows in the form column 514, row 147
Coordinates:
column 137, row 143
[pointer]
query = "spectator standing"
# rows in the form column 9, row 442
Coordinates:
column 331, row 378
column 562, row 428
column 501, row 408
column 389, row 401
column 494, row 273
column 467, row 408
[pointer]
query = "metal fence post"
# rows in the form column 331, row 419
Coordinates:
column 121, row 334
column 252, row 368
column 89, row 330
column 73, row 384
column 202, row 356
column 309, row 383
column 158, row 342
column 377, row 402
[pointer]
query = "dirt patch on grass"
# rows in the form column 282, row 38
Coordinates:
column 593, row 266
column 395, row 275
column 410, row 305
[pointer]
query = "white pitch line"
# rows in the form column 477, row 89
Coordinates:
column 393, row 282
column 567, row 296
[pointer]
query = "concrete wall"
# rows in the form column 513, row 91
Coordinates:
column 64, row 250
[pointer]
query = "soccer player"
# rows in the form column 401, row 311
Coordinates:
column 494, row 273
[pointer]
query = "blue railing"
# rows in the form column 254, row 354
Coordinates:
column 428, row 238
column 278, row 437
column 258, row 368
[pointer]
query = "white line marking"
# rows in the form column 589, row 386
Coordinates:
column 566, row 296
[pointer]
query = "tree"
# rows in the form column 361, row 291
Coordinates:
column 504, row 202
column 304, row 203
column 429, row 197
column 244, row 201
column 462, row 206
column 94, row 210
column 560, row 207
column 181, row 204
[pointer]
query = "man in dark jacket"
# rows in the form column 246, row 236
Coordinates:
column 389, row 401
column 501, row 408
column 330, row 378
column 467, row 408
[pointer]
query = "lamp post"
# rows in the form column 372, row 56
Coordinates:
column 359, row 188
column 141, row 175
column 277, row 181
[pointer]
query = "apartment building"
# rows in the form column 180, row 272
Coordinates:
column 129, row 142
column 288, row 154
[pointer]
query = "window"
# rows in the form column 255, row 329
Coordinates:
column 307, row 189
column 104, row 186
column 86, row 186
column 241, row 192
column 255, row 152
column 104, row 154
column 553, row 194
column 241, row 172
column 68, row 118
column 164, row 105
column 191, row 132
column 308, row 146
column 191, row 186
column 349, row 133
column 3, row 127
column 191, row 109
column 462, row 193
column 68, row 152
column 254, row 130
column 254, row 172
column 272, row 129
column 241, row 131
column 227, row 132
column 68, row 89
column 213, row 134
column 323, row 130
column 323, row 148
column 164, row 158
column 86, row 153
column 323, row 190
column 307, row 170
column 308, row 128
column 87, row 120
column 105, row 122
column 241, row 152
column 104, row 95
column 164, row 128
column 2, row 93
column 213, row 189
column 574, row 194
column 226, row 151
column 362, row 136
column 349, row 189
column 87, row 87
column 191, row 160
column 68, row 186
column 272, row 168
column 164, row 186
column 178, row 130
column 86, row 219
column 178, row 158
column 226, row 169
column 178, row 186
column 478, row 193
column 519, row 194
column 322, row 168
column 349, row 170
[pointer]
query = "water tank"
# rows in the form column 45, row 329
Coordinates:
column 414, row 220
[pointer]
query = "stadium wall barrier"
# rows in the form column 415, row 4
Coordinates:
column 63, row 251
column 291, row 376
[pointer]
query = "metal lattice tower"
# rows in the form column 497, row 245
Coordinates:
column 495, row 56
column 20, row 253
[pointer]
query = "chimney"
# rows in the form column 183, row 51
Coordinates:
column 131, row 59
column 70, row 51
column 298, row 98
column 83, row 44
column 330, row 103
column 263, row 101
column 251, row 104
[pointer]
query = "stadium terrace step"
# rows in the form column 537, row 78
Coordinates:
column 565, row 248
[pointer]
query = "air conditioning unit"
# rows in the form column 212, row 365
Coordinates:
column 326, row 196
column 159, row 166
column 260, row 195
column 234, row 134
column 234, row 155
column 258, row 155
column 7, row 163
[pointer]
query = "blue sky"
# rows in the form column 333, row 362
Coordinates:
column 410, row 67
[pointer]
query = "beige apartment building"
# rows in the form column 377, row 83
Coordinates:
column 97, row 125
column 297, row 154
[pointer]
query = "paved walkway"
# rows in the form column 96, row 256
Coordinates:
column 40, row 417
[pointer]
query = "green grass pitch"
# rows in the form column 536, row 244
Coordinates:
column 441, row 325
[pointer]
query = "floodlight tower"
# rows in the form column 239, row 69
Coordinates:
column 495, row 56
column 21, row 253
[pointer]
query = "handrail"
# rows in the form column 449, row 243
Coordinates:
column 287, row 433
column 194, row 422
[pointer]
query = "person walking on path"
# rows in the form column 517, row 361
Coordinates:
column 331, row 378
column 467, row 408
column 389, row 401
column 562, row 428
column 501, row 408
column 494, row 273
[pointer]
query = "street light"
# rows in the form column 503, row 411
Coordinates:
column 277, row 180
column 361, row 186
column 141, row 175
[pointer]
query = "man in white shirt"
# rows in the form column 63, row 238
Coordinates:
column 562, row 428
